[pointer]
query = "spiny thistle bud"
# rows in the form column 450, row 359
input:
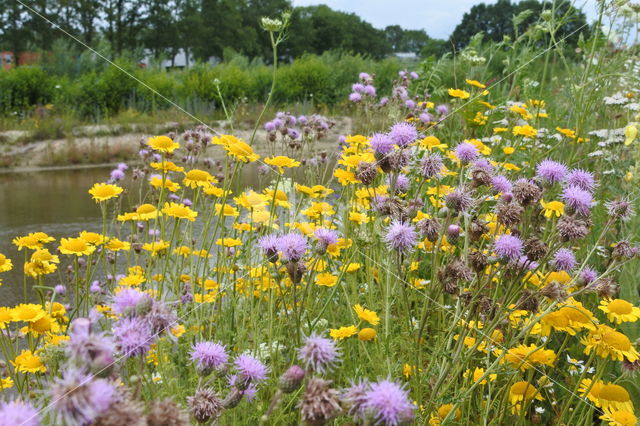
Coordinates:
column 555, row 291
column 366, row 172
column 571, row 228
column 624, row 250
column 477, row 228
column 535, row 248
column 509, row 214
column 526, row 192
column 453, row 232
column 291, row 379
column 528, row 301
column 205, row 405
column 296, row 270
column 319, row 403
column 126, row 411
column 477, row 261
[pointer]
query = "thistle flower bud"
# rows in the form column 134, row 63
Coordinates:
column 291, row 379
column 205, row 405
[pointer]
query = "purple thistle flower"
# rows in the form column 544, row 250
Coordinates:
column 442, row 109
column 80, row 399
column 18, row 412
column 364, row 76
column 269, row 245
column 293, row 134
column 123, row 166
column 133, row 335
column 508, row 247
column 381, row 143
column 564, row 260
column 483, row 164
column 250, row 370
column 355, row 398
column 389, row 403
column 303, row 120
column 384, row 101
column 269, row 126
column 249, row 393
column 466, row 152
column 581, row 178
column 357, row 87
column 400, row 236
column 402, row 182
column 187, row 202
column 116, row 175
column 414, row 75
column 319, row 354
column 355, row 97
column 208, row 356
column 402, row 134
column 410, row 103
column 620, row 209
column 95, row 287
column 577, row 200
column 588, row 275
column 60, row 289
column 551, row 171
column 431, row 166
column 128, row 300
column 369, row 90
column 426, row 118
column 277, row 122
column 501, row 184
column 326, row 236
column 292, row 246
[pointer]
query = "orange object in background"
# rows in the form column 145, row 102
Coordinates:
column 8, row 59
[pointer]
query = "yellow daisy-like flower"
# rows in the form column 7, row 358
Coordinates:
column 525, row 357
column 607, row 396
column 6, row 316
column 156, row 247
column 619, row 310
column 326, row 279
column 508, row 150
column 228, row 242
column 236, row 148
column 567, row 132
column 156, row 182
column 476, row 83
column 367, row 334
column 46, row 324
column 343, row 332
column 458, row 93
column 167, row 166
column 477, row 375
column 33, row 241
column 115, row 244
column 179, row 211
column 526, row 131
column 132, row 280
column 5, row 263
column 442, row 413
column 619, row 418
column 178, row 330
column 104, row 191
column 6, row 383
column 281, row 162
column 27, row 362
column 522, row 392
column 92, row 237
column 552, row 208
column 27, row 312
column 366, row 315
column 76, row 246
column 146, row 212
column 609, row 343
column 163, row 144
column 196, row 177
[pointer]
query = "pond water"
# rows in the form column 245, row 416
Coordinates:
column 55, row 202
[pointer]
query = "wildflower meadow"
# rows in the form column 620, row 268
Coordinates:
column 468, row 255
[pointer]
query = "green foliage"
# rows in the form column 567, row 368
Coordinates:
column 23, row 88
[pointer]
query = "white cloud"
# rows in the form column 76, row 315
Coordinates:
column 438, row 18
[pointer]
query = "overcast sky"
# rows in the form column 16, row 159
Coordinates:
column 437, row 17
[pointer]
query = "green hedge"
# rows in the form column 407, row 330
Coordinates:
column 323, row 79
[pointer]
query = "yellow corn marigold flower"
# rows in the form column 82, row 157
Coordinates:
column 236, row 148
column 132, row 280
column 56, row 339
column 92, row 237
column 431, row 142
column 281, row 162
column 75, row 246
column 155, row 247
column 458, row 93
column 358, row 217
column 146, row 212
column 179, row 211
column 56, row 309
column 522, row 392
column 198, row 178
column 607, row 396
column 567, row 132
column 44, row 325
column 500, row 130
column 630, row 134
column 343, row 332
column 104, row 191
column 251, row 200
column 27, row 362
column 163, row 144
column 525, row 357
column 526, row 131
column 5, row 263
column 178, row 330
column 115, row 244
column 475, row 83
column 33, row 241
column 367, row 334
column 227, row 210
column 552, row 208
column 609, row 343
column 167, row 166
column 477, row 374
column 353, row 266
column 619, row 418
column 326, row 279
column 6, row 383
column 228, row 242
column 442, row 413
column 27, row 312
column 619, row 310
column 213, row 191
column 345, row 177
column 571, row 318
column 508, row 150
column 156, row 182
column 6, row 316
column 315, row 191
column 366, row 315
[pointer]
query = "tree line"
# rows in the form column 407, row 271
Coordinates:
column 206, row 28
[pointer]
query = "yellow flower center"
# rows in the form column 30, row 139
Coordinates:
column 76, row 244
column 198, row 175
column 620, row 307
column 612, row 392
column 145, row 208
column 617, row 340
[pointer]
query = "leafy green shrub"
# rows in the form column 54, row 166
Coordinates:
column 306, row 77
column 24, row 87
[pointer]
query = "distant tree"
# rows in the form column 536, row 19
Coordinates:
column 123, row 20
column 495, row 20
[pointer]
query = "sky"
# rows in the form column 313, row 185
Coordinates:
column 437, row 17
